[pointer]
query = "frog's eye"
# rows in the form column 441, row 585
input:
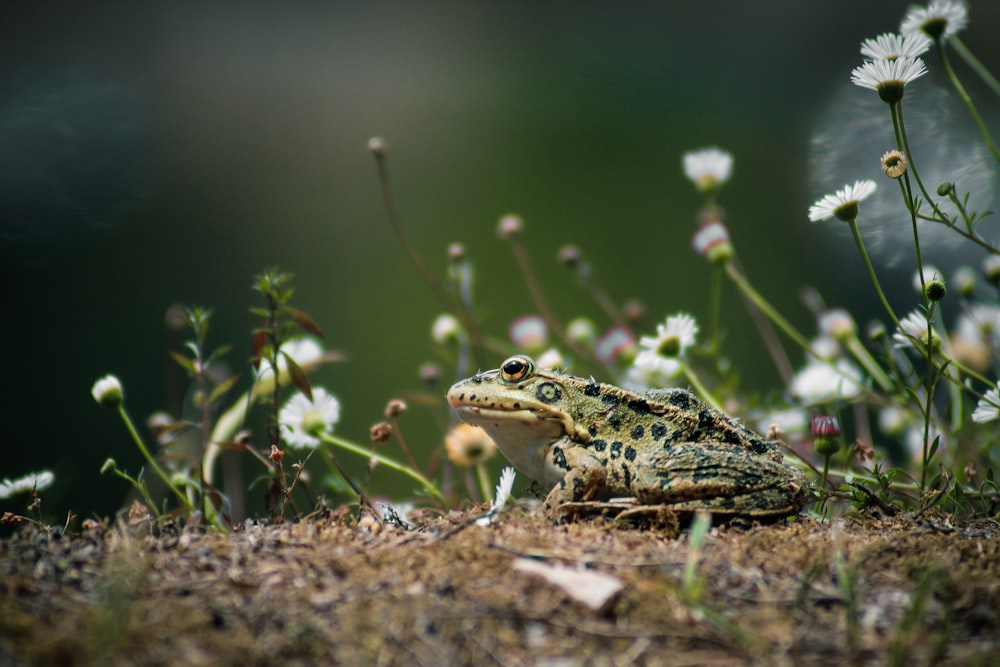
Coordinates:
column 516, row 369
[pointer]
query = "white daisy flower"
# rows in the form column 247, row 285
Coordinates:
column 888, row 77
column 708, row 168
column 988, row 407
column 890, row 46
column 661, row 354
column 819, row 382
column 301, row 419
column 912, row 326
column 941, row 18
column 107, row 391
column 36, row 481
column 843, row 203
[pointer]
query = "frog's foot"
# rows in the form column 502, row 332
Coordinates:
column 585, row 481
column 625, row 512
column 725, row 481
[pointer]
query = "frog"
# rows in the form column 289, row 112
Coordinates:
column 591, row 441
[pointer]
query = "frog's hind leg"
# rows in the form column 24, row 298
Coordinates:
column 721, row 479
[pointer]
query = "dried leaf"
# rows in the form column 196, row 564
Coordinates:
column 259, row 342
column 298, row 376
column 303, row 320
column 595, row 589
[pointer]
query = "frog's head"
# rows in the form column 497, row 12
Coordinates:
column 523, row 408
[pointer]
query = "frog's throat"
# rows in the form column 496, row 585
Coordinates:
column 559, row 422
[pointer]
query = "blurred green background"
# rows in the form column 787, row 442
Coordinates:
column 161, row 154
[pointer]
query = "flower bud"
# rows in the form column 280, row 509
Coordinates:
column 510, row 226
column 894, row 164
column 377, row 146
column 395, row 408
column 108, row 391
column 945, row 189
column 935, row 290
column 826, row 431
column 380, row 432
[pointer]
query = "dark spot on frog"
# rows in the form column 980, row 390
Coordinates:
column 659, row 430
column 630, row 453
column 517, row 406
column 616, row 423
column 548, row 392
column 616, row 449
column 637, row 432
column 592, row 430
column 592, row 389
column 705, row 418
column 680, row 399
column 559, row 458
column 609, row 399
column 628, row 474
column 599, row 445
column 732, row 437
column 639, row 406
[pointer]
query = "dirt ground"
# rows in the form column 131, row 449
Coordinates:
column 519, row 592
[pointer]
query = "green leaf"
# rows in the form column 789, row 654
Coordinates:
column 184, row 362
column 222, row 388
column 298, row 376
column 303, row 320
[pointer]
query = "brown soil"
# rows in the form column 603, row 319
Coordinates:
column 327, row 591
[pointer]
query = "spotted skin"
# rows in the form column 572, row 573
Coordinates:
column 589, row 440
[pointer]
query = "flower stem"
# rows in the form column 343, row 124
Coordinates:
column 700, row 388
column 149, row 458
column 871, row 271
column 390, row 463
column 484, row 481
column 974, row 64
column 960, row 89
column 766, row 308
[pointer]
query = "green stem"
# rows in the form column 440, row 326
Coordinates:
column 484, row 482
column 715, row 301
column 699, row 387
column 871, row 271
column 974, row 64
column 766, row 308
column 149, row 458
column 960, row 89
column 864, row 357
column 390, row 463
column 141, row 487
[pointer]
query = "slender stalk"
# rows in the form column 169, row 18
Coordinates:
column 149, row 458
column 871, row 271
column 446, row 299
column 389, row 463
column 975, row 64
column 700, row 388
column 766, row 308
column 484, row 481
column 715, row 309
column 960, row 89
column 535, row 288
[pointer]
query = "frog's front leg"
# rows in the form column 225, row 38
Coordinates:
column 721, row 479
column 581, row 474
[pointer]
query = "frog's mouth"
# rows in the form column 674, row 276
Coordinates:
column 536, row 422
